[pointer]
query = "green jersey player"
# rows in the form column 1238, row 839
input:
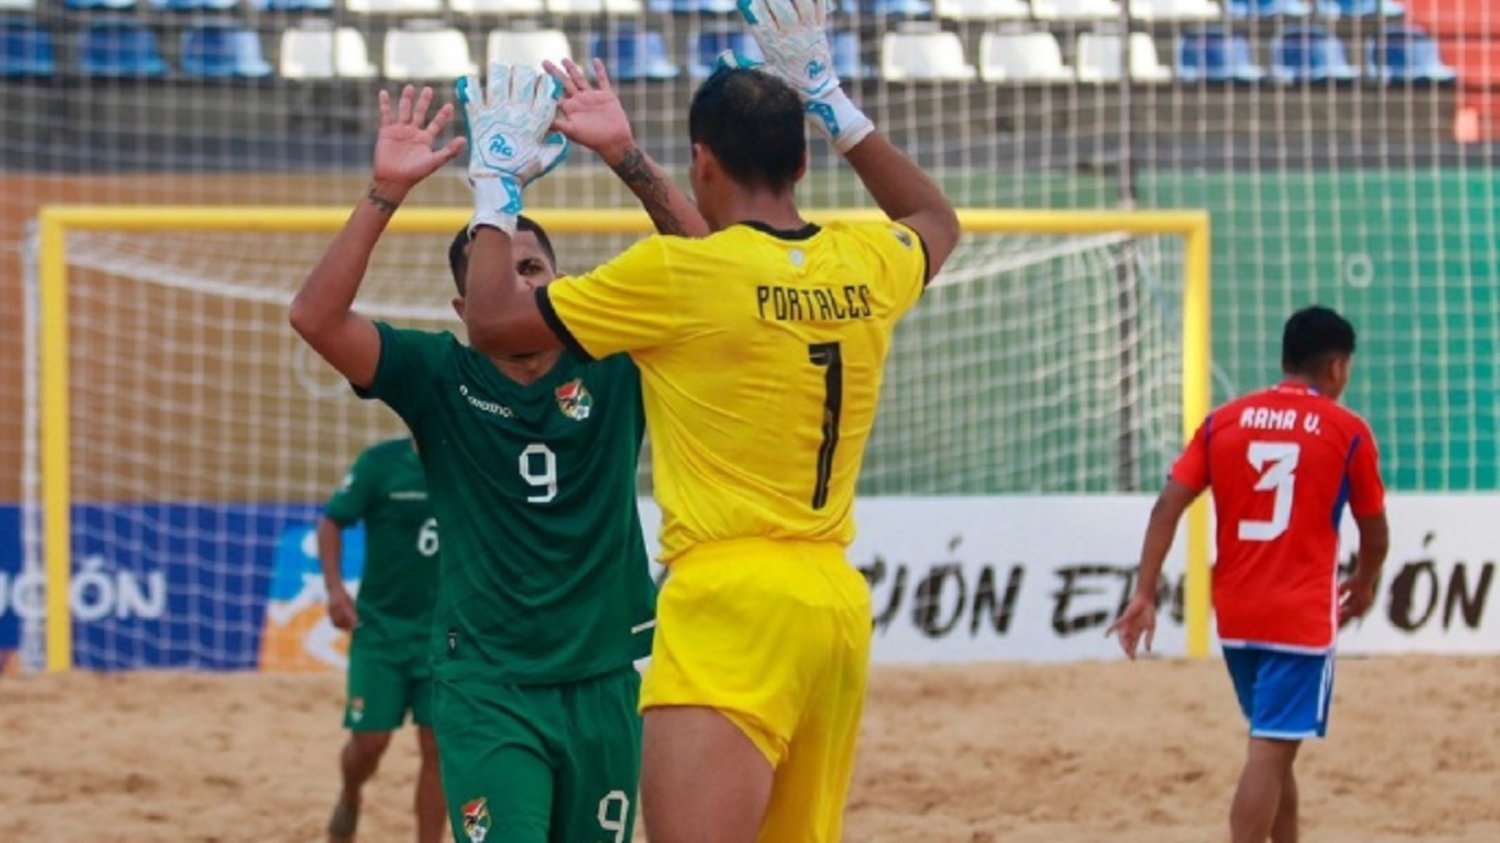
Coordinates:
column 545, row 600
column 391, row 622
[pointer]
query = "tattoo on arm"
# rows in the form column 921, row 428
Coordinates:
column 635, row 170
column 383, row 204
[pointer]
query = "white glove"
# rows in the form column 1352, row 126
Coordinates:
column 794, row 38
column 507, row 124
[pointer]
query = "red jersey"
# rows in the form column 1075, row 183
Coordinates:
column 1281, row 464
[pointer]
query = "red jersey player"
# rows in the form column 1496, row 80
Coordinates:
column 1282, row 464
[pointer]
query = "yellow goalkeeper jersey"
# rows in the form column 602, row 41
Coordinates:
column 761, row 354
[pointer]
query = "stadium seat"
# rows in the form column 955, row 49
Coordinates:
column 893, row 8
column 217, row 51
column 1075, row 9
column 95, row 5
column 26, row 50
column 119, row 50
column 17, row 5
column 1310, row 54
column 622, row 8
column 691, row 7
column 424, row 51
column 1269, row 8
column 1409, row 55
column 923, row 56
column 1214, row 56
column 1361, row 8
column 530, row 47
column 704, row 47
column 847, row 62
column 1022, row 57
column 1175, row 10
column 983, row 9
column 292, row 5
column 633, row 54
column 1099, row 58
column 496, row 7
column 321, row 52
column 193, row 5
column 393, row 7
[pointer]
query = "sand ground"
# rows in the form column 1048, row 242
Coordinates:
column 982, row 754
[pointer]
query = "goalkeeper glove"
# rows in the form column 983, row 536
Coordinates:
column 793, row 37
column 507, row 125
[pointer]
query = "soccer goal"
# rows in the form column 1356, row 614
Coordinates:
column 178, row 430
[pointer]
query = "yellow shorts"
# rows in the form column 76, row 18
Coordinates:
column 776, row 636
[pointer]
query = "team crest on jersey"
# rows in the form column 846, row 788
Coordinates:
column 357, row 709
column 476, row 820
column 575, row 402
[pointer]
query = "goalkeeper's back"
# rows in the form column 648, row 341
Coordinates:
column 762, row 353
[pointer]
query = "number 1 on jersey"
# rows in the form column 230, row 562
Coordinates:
column 828, row 355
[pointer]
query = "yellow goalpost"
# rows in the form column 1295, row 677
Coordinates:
column 55, row 223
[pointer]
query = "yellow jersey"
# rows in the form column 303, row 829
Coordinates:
column 761, row 355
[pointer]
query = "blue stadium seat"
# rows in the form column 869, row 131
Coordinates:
column 1410, row 55
column 704, row 47
column 1310, row 54
column 218, row 51
column 1361, row 8
column 26, row 50
column 846, row 59
column 1213, row 55
column 894, row 8
column 633, row 54
column 1269, row 8
column 194, row 5
column 691, row 7
column 94, row 5
column 293, row 5
column 120, row 50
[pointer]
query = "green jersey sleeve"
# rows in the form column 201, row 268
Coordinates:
column 408, row 360
column 348, row 503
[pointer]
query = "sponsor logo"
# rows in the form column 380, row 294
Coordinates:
column 574, row 400
column 409, row 496
column 476, row 814
column 491, row 407
column 902, row 237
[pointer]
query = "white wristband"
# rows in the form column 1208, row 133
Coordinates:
column 497, row 203
column 839, row 119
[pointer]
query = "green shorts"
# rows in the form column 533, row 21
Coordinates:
column 385, row 680
column 540, row 763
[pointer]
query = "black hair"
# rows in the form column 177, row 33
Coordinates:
column 458, row 256
column 1312, row 336
column 753, row 124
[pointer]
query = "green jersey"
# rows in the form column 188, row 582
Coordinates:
column 544, row 573
column 386, row 490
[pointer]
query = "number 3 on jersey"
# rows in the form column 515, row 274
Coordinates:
column 1277, row 462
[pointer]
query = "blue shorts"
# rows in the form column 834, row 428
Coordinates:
column 1284, row 695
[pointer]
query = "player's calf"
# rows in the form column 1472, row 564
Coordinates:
column 1258, row 799
column 359, row 761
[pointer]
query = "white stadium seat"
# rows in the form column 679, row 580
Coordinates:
column 1170, row 10
column 424, row 52
column 1099, row 58
column 624, row 8
column 1022, row 57
column 394, row 7
column 923, row 56
column 317, row 51
column 1075, row 9
column 529, row 48
column 496, row 7
column 983, row 9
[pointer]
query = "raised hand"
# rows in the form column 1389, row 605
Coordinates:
column 794, row 38
column 511, row 143
column 404, row 151
column 591, row 115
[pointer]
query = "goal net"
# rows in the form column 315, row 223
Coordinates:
column 204, row 434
